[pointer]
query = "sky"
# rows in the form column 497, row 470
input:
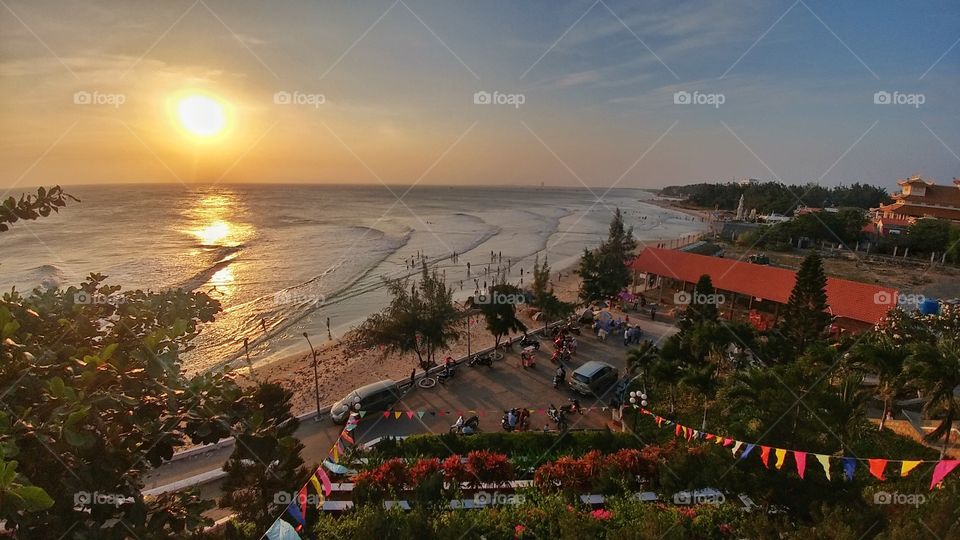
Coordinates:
column 569, row 93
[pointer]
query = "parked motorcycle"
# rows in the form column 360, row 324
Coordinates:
column 558, row 416
column 573, row 407
column 559, row 378
column 560, row 355
column 527, row 341
column 445, row 374
column 481, row 360
column 466, row 427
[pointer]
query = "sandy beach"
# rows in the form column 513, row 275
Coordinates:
column 342, row 368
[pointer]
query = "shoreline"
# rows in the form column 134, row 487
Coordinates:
column 343, row 368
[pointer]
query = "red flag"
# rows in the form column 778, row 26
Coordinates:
column 801, row 459
column 727, row 442
column 765, row 456
column 876, row 467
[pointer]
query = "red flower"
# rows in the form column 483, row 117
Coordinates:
column 484, row 466
column 601, row 514
column 454, row 470
column 518, row 531
column 423, row 469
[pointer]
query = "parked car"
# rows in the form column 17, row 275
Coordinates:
column 593, row 378
column 378, row 396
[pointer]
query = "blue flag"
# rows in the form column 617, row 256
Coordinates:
column 294, row 511
column 849, row 465
column 747, row 451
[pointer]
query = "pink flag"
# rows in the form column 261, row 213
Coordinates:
column 410, row 414
column 727, row 442
column 324, row 479
column 942, row 469
column 801, row 459
column 876, row 467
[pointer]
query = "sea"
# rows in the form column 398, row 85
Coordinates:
column 285, row 260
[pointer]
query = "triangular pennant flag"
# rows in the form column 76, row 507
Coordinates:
column 386, row 414
column 942, row 469
column 695, row 434
column 718, row 439
column 746, row 452
column 303, row 496
column 825, row 463
column 420, row 414
column 709, row 437
column 659, row 421
column 736, row 446
column 347, row 437
column 781, row 457
column 324, row 479
column 849, row 465
column 801, row 459
column 363, row 413
column 765, row 456
column 410, row 414
column 908, row 466
column 727, row 442
column 295, row 513
column 877, row 467
column 677, row 430
column 317, row 487
column 398, row 414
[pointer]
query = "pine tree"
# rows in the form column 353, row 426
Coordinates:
column 806, row 317
column 703, row 304
column 604, row 272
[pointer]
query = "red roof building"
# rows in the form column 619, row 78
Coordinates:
column 861, row 304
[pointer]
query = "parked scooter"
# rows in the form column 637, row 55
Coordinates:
column 466, row 427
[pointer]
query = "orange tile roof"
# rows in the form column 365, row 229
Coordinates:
column 847, row 299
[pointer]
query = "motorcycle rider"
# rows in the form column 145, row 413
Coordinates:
column 560, row 377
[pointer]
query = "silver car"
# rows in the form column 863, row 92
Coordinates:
column 378, row 396
column 593, row 378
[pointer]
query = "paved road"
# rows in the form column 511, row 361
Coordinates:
column 504, row 386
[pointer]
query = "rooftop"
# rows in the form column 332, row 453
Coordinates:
column 847, row 299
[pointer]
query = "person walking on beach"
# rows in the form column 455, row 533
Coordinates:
column 468, row 268
column 413, row 376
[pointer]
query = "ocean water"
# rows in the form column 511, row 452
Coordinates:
column 283, row 259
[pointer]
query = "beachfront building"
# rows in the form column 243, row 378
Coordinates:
column 919, row 198
column 754, row 292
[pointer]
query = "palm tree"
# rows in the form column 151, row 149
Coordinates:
column 934, row 368
column 886, row 362
column 640, row 358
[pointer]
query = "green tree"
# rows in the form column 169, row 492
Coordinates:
column 934, row 368
column 702, row 306
column 605, row 272
column 806, row 317
column 551, row 307
column 499, row 311
column 420, row 319
column 30, row 207
column 266, row 464
column 881, row 358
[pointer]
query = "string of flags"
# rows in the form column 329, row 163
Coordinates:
column 282, row 529
column 409, row 414
column 877, row 467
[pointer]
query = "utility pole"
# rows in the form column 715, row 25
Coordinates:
column 316, row 377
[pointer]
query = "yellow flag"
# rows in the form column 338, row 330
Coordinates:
column 825, row 463
column 908, row 466
column 398, row 414
column 781, row 456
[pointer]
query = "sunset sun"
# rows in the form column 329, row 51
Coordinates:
column 201, row 116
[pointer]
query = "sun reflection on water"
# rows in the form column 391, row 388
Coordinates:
column 216, row 221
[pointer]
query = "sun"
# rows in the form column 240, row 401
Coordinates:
column 201, row 116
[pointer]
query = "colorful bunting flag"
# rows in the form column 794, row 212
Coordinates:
column 801, row 459
column 736, row 447
column 825, row 463
column 322, row 475
column 849, row 465
column 750, row 447
column 281, row 530
column 295, row 513
column 942, row 469
column 877, row 467
column 727, row 442
column 781, row 457
column 410, row 414
column 398, row 414
column 765, row 456
column 908, row 466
